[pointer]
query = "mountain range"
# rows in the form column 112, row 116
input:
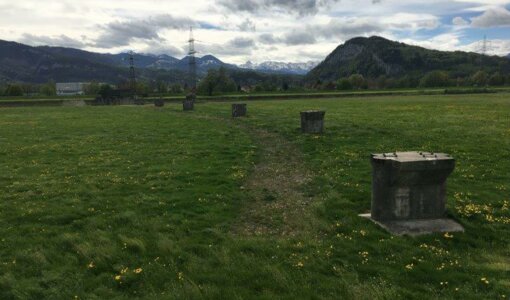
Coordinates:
column 376, row 56
column 40, row 64
column 371, row 57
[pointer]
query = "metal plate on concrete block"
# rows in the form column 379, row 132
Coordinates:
column 417, row 227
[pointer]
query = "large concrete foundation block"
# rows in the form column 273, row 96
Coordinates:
column 312, row 121
column 188, row 105
column 239, row 110
column 409, row 191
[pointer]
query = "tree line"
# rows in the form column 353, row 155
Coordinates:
column 225, row 81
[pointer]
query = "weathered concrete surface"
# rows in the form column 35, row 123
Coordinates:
column 410, row 185
column 312, row 121
column 418, row 227
column 409, row 192
column 188, row 105
column 239, row 110
column 159, row 102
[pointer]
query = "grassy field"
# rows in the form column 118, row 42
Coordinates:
column 138, row 202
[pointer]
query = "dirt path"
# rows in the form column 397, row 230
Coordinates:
column 277, row 205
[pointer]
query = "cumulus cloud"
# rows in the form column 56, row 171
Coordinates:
column 492, row 17
column 122, row 33
column 459, row 21
column 301, row 7
column 60, row 40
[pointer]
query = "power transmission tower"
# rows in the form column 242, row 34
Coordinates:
column 484, row 49
column 192, row 63
column 132, row 75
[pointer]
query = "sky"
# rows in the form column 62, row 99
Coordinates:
column 237, row 31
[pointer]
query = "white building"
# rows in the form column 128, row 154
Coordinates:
column 70, row 88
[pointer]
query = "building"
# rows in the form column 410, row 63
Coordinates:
column 70, row 88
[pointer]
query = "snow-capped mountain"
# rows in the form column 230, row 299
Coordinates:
column 281, row 67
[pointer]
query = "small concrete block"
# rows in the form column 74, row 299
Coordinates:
column 188, row 105
column 239, row 110
column 159, row 102
column 312, row 121
column 417, row 227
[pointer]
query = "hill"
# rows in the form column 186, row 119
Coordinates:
column 375, row 56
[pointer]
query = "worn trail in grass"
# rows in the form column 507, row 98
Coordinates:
column 278, row 205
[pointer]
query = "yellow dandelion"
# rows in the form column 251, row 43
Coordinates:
column 448, row 236
column 138, row 271
column 118, row 277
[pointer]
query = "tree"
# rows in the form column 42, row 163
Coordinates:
column 358, row 81
column 48, row 89
column 435, row 79
column 92, row 88
column 106, row 91
column 344, row 84
column 480, row 78
column 496, row 79
column 14, row 90
column 176, row 89
column 161, row 87
column 216, row 81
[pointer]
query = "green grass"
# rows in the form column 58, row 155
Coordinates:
column 89, row 194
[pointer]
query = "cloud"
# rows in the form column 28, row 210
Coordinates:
column 42, row 40
column 459, row 21
column 241, row 42
column 247, row 25
column 301, row 7
column 122, row 33
column 268, row 39
column 300, row 38
column 492, row 17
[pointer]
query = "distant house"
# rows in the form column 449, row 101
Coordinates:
column 70, row 88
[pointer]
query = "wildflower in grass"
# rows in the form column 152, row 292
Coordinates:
column 448, row 236
column 364, row 257
column 444, row 283
column 300, row 264
column 138, row 271
column 118, row 278
column 124, row 271
column 91, row 265
column 484, row 280
column 410, row 266
column 180, row 276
